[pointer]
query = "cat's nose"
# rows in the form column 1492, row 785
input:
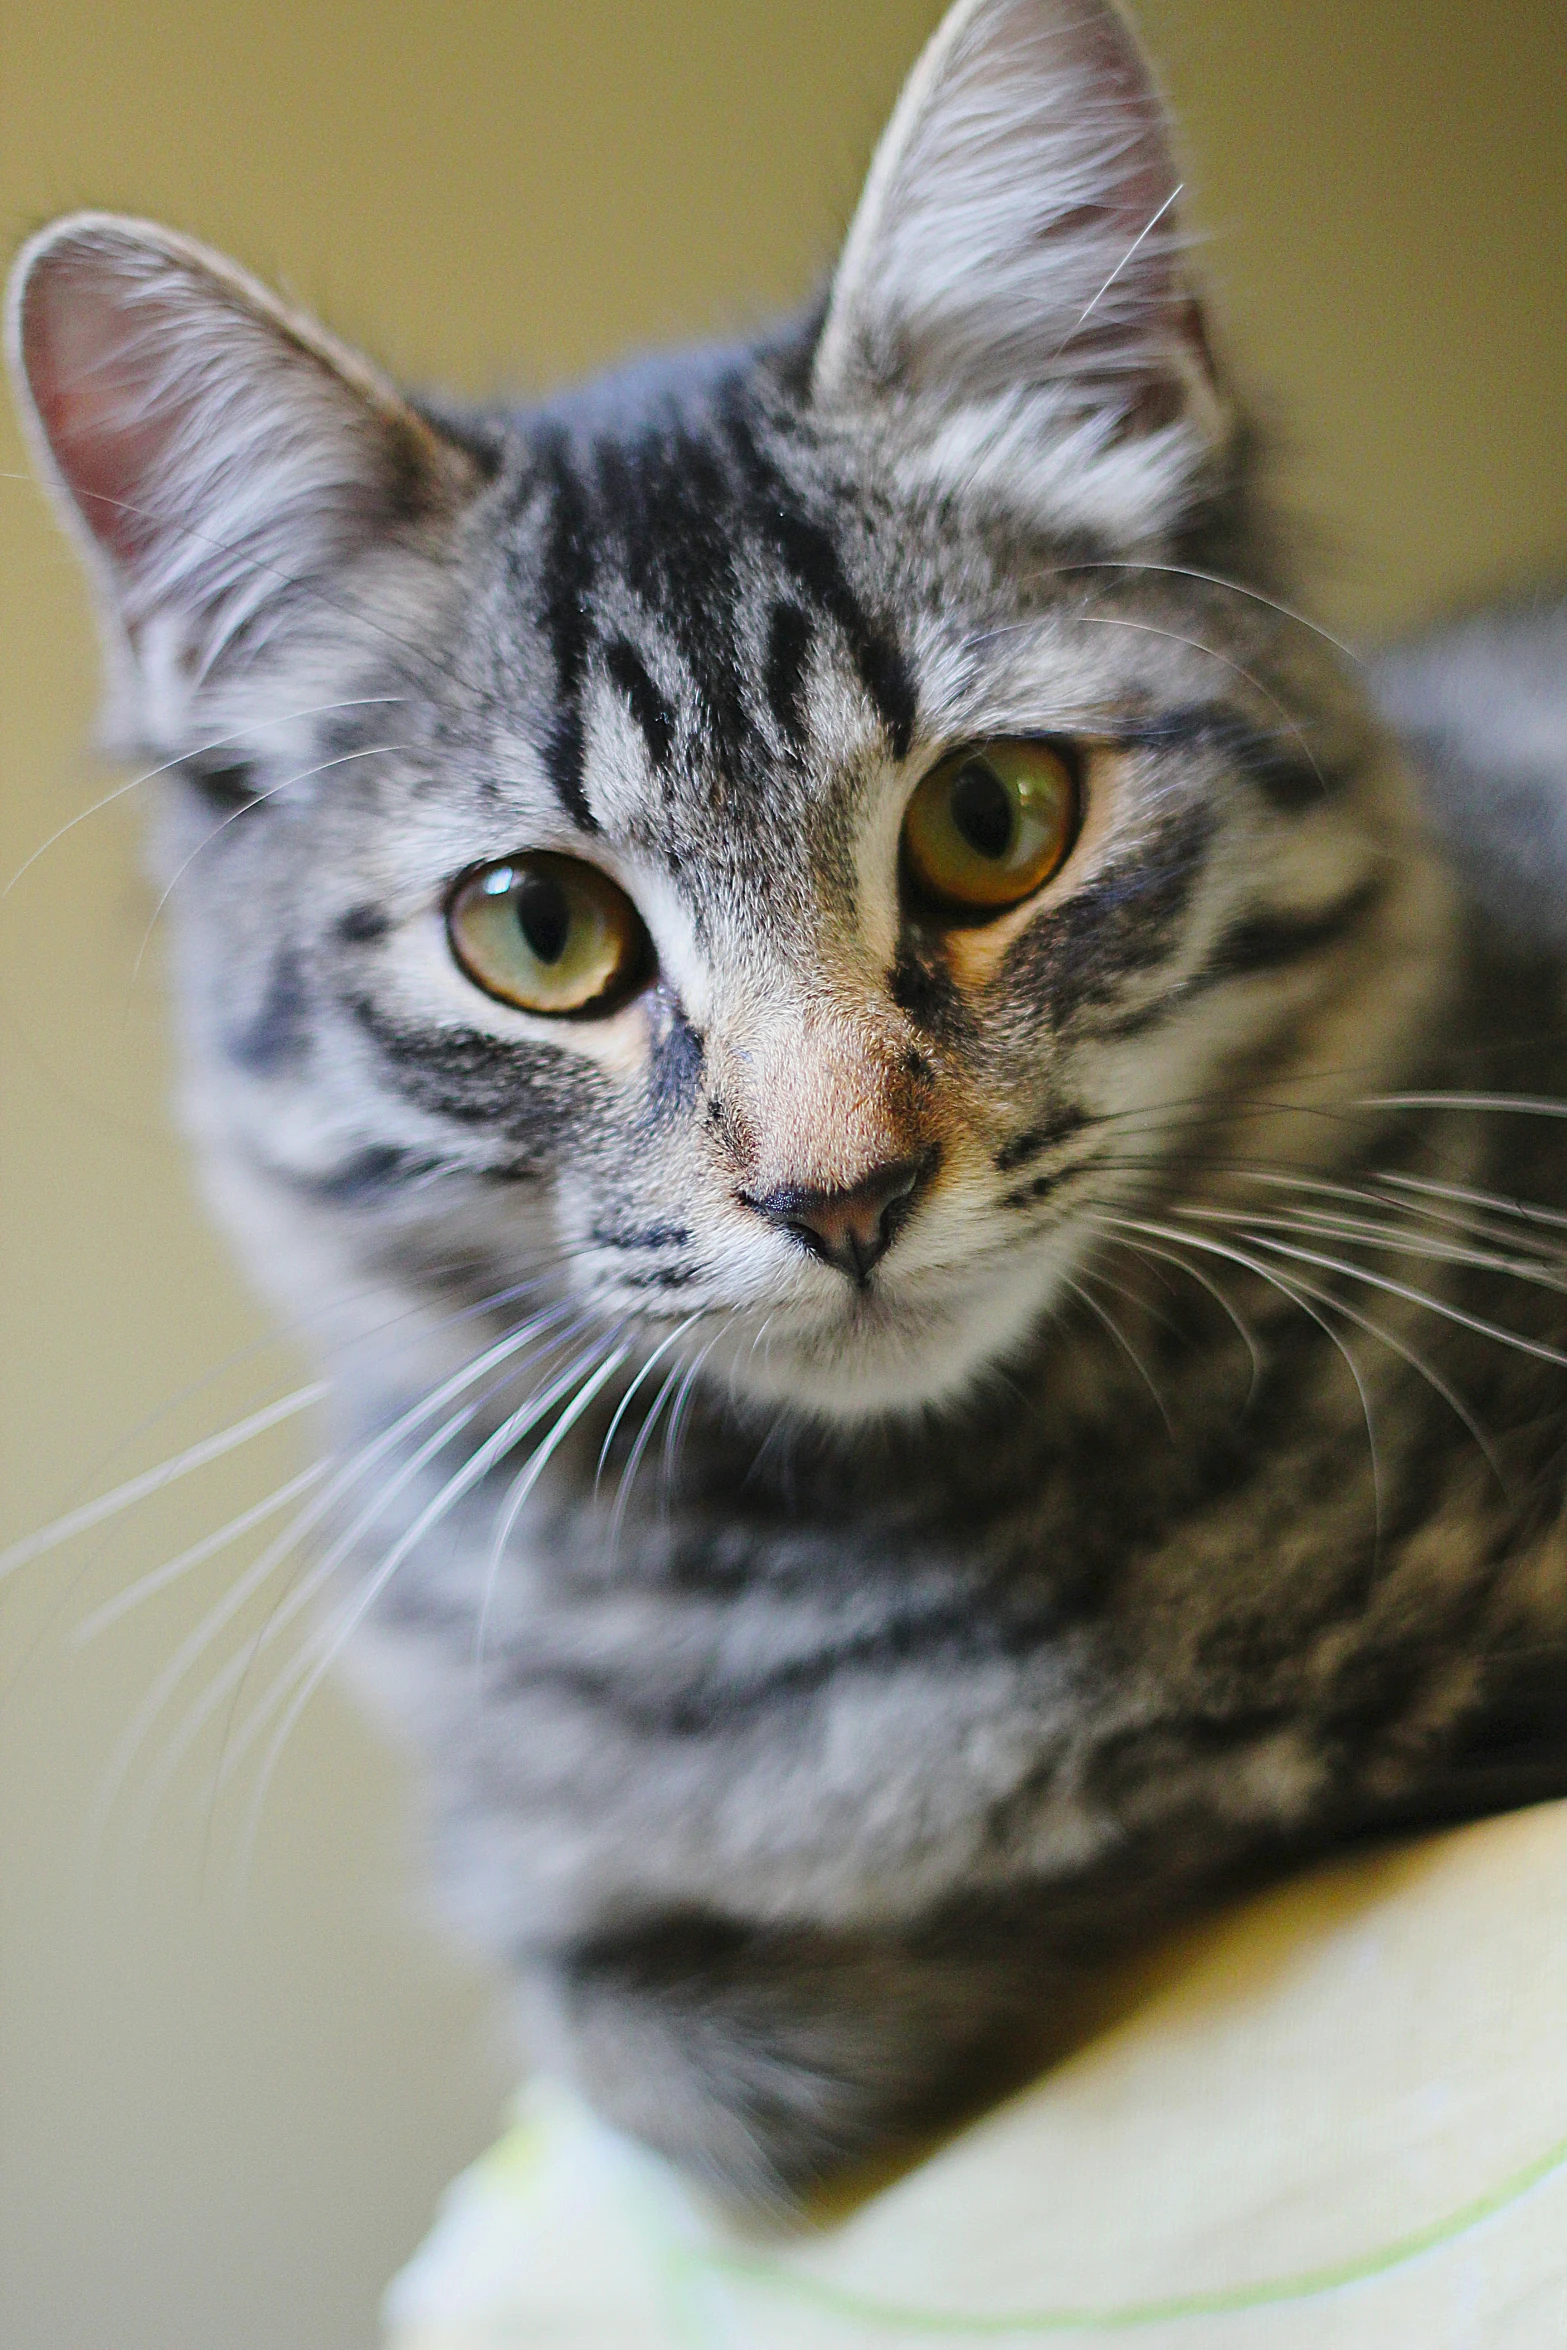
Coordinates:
column 851, row 1229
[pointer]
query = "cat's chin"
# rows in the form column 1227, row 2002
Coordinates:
column 886, row 1354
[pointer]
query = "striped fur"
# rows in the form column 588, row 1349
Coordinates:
column 857, row 1663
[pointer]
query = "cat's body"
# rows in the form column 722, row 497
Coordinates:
column 833, row 1624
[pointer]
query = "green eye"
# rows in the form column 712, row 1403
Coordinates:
column 990, row 825
column 547, row 934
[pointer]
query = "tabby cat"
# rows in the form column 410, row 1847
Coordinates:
column 924, row 1171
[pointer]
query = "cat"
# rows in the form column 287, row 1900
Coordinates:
column 923, row 1163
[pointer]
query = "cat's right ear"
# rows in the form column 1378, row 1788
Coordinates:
column 218, row 457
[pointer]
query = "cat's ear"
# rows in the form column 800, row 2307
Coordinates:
column 218, row 457
column 1020, row 234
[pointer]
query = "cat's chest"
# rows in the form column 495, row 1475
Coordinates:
column 1105, row 1586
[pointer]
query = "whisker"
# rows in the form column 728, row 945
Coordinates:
column 185, row 1464
column 538, row 1460
column 1527, row 1105
column 234, row 1672
column 628, row 1475
column 1103, row 1315
column 223, row 742
column 673, row 1425
column 305, row 775
column 1233, row 587
column 478, row 1465
column 1196, row 644
column 1450, row 1313
column 1226, row 1305
column 351, row 1472
column 145, row 1588
column 1416, row 1362
column 1127, row 258
column 1491, row 1202
column 504, row 1353
column 624, row 1404
column 1291, row 1291
column 1398, row 1238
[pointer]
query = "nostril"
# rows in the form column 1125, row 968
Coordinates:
column 851, row 1228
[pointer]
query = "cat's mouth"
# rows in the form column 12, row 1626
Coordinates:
column 899, row 1342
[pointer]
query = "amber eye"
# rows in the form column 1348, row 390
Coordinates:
column 989, row 826
column 547, row 934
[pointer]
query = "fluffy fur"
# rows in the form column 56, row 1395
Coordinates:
column 817, row 1675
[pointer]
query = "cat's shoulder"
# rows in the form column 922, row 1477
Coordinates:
column 1481, row 701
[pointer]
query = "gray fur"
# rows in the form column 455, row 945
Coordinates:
column 856, row 1664
column 1482, row 702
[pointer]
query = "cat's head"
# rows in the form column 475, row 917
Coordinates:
column 783, row 844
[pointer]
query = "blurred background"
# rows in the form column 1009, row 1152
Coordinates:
column 231, row 2084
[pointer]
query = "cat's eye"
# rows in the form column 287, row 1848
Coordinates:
column 990, row 825
column 548, row 934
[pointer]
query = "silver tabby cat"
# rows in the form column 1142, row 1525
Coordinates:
column 926, row 1178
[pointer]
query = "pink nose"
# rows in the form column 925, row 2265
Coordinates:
column 852, row 1229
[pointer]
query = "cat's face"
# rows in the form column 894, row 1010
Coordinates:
column 782, row 847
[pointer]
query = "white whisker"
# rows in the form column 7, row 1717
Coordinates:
column 1125, row 262
column 477, row 1466
column 676, row 1418
column 1226, row 1304
column 624, row 1404
column 185, row 1464
column 232, row 1676
column 305, row 775
column 147, row 1586
column 1291, row 1291
column 628, row 1475
column 1449, row 1313
column 224, row 742
column 1196, row 644
column 1526, row 1105
column 538, row 1461
column 1103, row 1315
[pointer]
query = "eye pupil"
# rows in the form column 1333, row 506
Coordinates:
column 543, row 916
column 982, row 809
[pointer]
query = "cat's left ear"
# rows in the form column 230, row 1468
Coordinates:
column 1014, row 274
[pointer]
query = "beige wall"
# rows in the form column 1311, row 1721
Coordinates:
column 221, row 2126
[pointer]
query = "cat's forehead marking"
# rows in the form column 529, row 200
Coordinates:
column 682, row 544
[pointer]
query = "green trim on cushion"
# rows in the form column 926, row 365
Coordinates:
column 1128, row 2316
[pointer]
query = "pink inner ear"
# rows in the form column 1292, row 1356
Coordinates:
column 94, row 345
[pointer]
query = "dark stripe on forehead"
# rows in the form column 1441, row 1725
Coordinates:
column 566, row 586
column 670, row 512
column 789, row 635
column 811, row 557
column 648, row 706
column 1279, row 762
